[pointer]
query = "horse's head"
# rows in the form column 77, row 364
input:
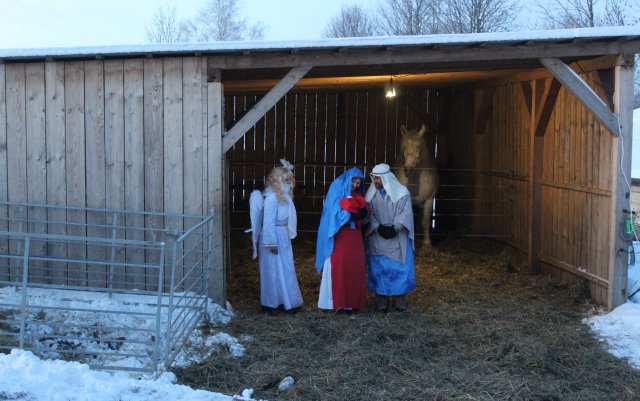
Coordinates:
column 411, row 146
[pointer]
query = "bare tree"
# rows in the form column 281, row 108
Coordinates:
column 473, row 16
column 164, row 27
column 569, row 14
column 353, row 21
column 409, row 17
column 217, row 20
column 620, row 13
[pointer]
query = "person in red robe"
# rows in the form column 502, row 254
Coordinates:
column 340, row 253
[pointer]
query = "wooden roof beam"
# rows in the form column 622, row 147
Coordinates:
column 441, row 54
column 583, row 93
column 260, row 109
column 545, row 99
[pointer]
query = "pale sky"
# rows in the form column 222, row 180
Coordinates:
column 63, row 23
column 73, row 23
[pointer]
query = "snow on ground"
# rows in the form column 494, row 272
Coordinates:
column 620, row 328
column 115, row 330
column 25, row 377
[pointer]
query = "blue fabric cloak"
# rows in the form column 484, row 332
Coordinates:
column 333, row 216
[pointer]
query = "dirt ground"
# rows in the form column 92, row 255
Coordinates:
column 479, row 328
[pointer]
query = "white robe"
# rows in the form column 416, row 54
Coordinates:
column 278, row 281
column 385, row 211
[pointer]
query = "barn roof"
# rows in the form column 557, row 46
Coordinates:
column 431, row 60
column 529, row 38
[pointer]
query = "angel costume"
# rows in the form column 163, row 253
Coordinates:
column 278, row 281
column 340, row 247
column 390, row 235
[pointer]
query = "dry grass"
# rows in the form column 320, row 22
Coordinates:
column 479, row 328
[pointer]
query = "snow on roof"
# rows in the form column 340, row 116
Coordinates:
column 361, row 42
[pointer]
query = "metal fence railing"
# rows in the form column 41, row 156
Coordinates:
column 115, row 289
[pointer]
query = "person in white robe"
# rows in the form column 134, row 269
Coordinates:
column 278, row 280
column 389, row 235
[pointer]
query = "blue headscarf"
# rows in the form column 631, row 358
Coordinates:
column 333, row 216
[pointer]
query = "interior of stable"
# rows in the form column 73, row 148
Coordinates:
column 326, row 125
column 480, row 125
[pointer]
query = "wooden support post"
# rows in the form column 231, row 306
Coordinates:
column 527, row 88
column 484, row 110
column 620, row 189
column 546, row 103
column 215, row 170
column 542, row 101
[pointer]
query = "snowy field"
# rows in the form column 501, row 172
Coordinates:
column 25, row 377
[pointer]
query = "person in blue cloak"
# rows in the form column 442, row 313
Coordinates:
column 340, row 253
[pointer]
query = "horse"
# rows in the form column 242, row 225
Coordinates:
column 417, row 171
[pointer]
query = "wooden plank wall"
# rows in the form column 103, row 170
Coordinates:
column 4, row 176
column 322, row 134
column 125, row 134
column 506, row 168
column 576, row 185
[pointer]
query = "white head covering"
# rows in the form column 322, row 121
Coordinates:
column 286, row 164
column 394, row 188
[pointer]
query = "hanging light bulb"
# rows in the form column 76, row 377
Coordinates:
column 390, row 89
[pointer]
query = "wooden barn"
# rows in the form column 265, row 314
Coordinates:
column 531, row 132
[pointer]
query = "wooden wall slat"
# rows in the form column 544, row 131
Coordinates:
column 56, row 160
column 173, row 147
column 36, row 163
column 330, row 138
column 232, row 115
column 114, row 161
column 259, row 149
column 350, row 132
column 16, row 133
column 4, row 168
column 114, row 133
column 192, row 136
column 75, row 165
column 193, row 139
column 153, row 155
column 307, row 157
column 95, row 164
column 340, row 139
column 365, row 127
column 16, row 149
column 300, row 137
column 173, row 150
column 134, row 172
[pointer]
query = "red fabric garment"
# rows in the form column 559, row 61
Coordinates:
column 353, row 203
column 348, row 269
